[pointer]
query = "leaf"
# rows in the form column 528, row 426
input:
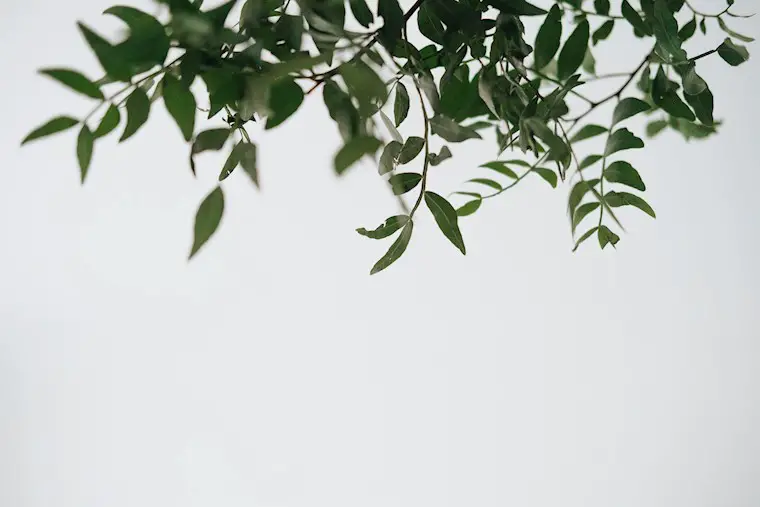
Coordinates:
column 655, row 127
column 589, row 161
column 248, row 160
column 431, row 92
column 109, row 57
column 207, row 219
column 606, row 236
column 391, row 128
column 693, row 84
column 585, row 236
column 393, row 22
column 702, row 105
column 451, row 131
column 487, row 182
column 109, row 122
column 622, row 139
column 666, row 31
column 548, row 38
column 733, row 34
column 582, row 212
column 429, row 24
column 602, row 7
column 444, row 154
column 501, row 168
column 401, row 104
column 364, row 84
column 623, row 172
column 573, row 52
column 285, row 97
column 361, row 12
column 353, row 150
column 385, row 229
column 733, row 54
column 76, row 81
column 388, row 157
column 396, row 250
column 148, row 43
column 558, row 150
column 404, row 182
column 138, row 109
column 516, row 7
column 630, row 14
column 412, row 147
column 578, row 192
column 469, row 208
column 180, row 103
column 57, row 124
column 627, row 108
column 587, row 132
column 548, row 175
column 85, row 142
column 212, row 139
column 688, row 30
column 486, row 86
column 617, row 199
column 603, row 32
column 446, row 217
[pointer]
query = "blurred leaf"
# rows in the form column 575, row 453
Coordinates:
column 57, row 124
column 85, row 142
column 76, row 81
column 391, row 128
column 180, row 103
column 451, row 131
column 733, row 54
column 285, row 97
column 587, row 132
column 353, row 150
column 109, row 122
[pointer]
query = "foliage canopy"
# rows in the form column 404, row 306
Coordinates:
column 468, row 67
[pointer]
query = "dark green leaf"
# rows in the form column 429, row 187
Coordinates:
column 666, row 31
column 587, row 132
column 248, row 160
column 388, row 157
column 74, row 80
column 574, row 51
column 285, row 98
column 361, row 12
column 365, row 85
column 396, row 250
column 548, row 175
column 451, row 131
column 623, row 172
column 602, row 6
column 393, row 22
column 147, row 44
column 516, row 7
column 578, row 192
column 412, row 147
column 110, row 58
column 207, row 219
column 606, row 236
column 57, row 124
column 138, row 109
column 444, row 154
column 633, row 17
column 446, row 217
column 693, row 84
column 733, row 34
column 109, row 122
column 603, row 32
column 487, row 182
column 85, row 142
column 401, row 104
column 429, row 24
column 733, row 54
column 427, row 84
column 702, row 105
column 403, row 182
column 589, row 161
column 617, row 199
column 582, row 212
column 627, row 108
column 353, row 150
column 384, row 230
column 180, row 103
column 585, row 236
column 548, row 38
column 622, row 139
column 688, row 30
column 210, row 140
column 501, row 168
column 469, row 208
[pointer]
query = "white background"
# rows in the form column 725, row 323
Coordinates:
column 272, row 371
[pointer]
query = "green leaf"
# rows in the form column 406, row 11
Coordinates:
column 469, row 208
column 248, row 160
column 210, row 140
column 451, row 131
column 693, row 84
column 617, row 199
column 655, row 127
column 627, row 108
column 606, row 236
column 733, row 34
column 589, row 161
column 180, row 103
column 427, row 84
column 353, row 150
column 365, row 85
column 147, row 44
column 388, row 157
column 412, row 147
column 548, row 175
column 396, row 250
column 57, row 124
column 573, row 52
column 138, row 109
column 688, row 30
column 582, row 212
column 602, row 7
column 632, row 16
column 429, row 24
column 446, row 217
column 404, row 182
column 702, row 105
column 393, row 22
column 516, row 7
column 75, row 81
column 110, row 58
column 548, row 38
column 85, row 142
column 391, row 128
column 587, row 132
column 733, row 54
column 558, row 150
column 444, row 154
column 501, row 168
column 487, row 182
column 207, row 219
column 386, row 229
column 109, row 122
column 603, row 32
column 285, row 97
column 578, row 192
column 623, row 172
column 401, row 104
column 666, row 31
column 585, row 236
column 361, row 12
column 622, row 139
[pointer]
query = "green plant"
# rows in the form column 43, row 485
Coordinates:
column 475, row 72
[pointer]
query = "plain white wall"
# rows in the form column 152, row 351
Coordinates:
column 272, row 371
